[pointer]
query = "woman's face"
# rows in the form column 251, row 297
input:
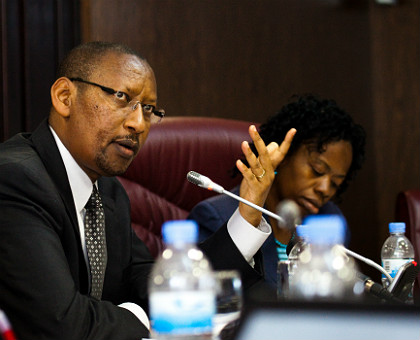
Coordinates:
column 311, row 178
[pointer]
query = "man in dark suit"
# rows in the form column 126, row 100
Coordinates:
column 48, row 283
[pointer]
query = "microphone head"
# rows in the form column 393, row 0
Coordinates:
column 194, row 177
column 204, row 182
column 290, row 212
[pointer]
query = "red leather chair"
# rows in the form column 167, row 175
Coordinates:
column 408, row 210
column 156, row 180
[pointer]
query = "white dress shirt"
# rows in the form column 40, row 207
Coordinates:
column 81, row 188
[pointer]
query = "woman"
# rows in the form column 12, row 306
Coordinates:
column 327, row 151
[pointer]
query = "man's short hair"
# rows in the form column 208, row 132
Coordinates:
column 83, row 59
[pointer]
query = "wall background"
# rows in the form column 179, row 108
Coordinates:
column 243, row 60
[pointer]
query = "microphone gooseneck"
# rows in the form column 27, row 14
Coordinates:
column 207, row 183
column 367, row 261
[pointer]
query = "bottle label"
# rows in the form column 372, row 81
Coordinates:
column 393, row 265
column 188, row 312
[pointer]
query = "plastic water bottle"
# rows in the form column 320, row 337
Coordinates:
column 297, row 248
column 283, row 279
column 286, row 268
column 182, row 292
column 396, row 251
column 324, row 272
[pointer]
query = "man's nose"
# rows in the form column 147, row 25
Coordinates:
column 135, row 121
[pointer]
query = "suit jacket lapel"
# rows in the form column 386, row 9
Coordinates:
column 45, row 145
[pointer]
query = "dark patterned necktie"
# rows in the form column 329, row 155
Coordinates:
column 95, row 242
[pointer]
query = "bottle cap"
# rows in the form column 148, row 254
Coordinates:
column 397, row 227
column 301, row 231
column 325, row 229
column 181, row 231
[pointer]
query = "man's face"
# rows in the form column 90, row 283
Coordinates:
column 311, row 178
column 105, row 133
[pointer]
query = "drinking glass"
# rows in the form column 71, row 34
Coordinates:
column 229, row 300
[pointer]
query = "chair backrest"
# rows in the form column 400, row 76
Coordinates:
column 156, row 180
column 407, row 210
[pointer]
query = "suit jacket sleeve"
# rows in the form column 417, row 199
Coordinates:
column 212, row 213
column 208, row 219
column 212, row 216
column 223, row 254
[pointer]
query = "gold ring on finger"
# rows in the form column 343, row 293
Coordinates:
column 262, row 175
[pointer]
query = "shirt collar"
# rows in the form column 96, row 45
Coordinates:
column 80, row 183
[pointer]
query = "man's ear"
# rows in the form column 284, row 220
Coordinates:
column 62, row 94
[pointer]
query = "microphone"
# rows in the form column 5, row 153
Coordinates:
column 207, row 183
column 204, row 182
column 400, row 286
column 289, row 210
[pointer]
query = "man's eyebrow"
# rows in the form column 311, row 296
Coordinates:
column 129, row 90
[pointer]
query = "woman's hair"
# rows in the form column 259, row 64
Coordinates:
column 318, row 122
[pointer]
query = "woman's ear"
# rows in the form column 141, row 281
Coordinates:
column 62, row 92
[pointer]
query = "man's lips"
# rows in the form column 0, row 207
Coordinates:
column 127, row 146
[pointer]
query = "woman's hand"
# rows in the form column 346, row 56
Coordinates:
column 259, row 176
